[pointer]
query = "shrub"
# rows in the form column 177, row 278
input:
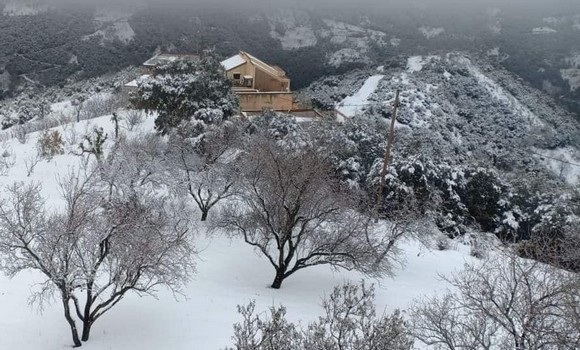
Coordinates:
column 349, row 323
column 50, row 144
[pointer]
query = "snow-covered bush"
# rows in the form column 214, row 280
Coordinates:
column 555, row 238
column 352, row 147
column 185, row 90
column 93, row 143
column 350, row 322
column 281, row 127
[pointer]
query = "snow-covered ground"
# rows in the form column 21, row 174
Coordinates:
column 228, row 273
column 120, row 30
column 430, row 32
column 24, row 8
column 572, row 76
column 352, row 105
column 296, row 38
column 563, row 162
column 416, row 63
column 544, row 30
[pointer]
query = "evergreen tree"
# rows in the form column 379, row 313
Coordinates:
column 187, row 90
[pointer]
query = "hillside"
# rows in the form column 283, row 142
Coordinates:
column 471, row 110
column 106, row 39
column 228, row 273
column 169, row 214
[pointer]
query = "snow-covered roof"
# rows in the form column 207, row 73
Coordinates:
column 164, row 58
column 272, row 70
column 133, row 83
column 233, row 62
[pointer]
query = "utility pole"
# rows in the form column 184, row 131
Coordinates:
column 387, row 152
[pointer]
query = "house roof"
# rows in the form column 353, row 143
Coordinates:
column 133, row 83
column 273, row 70
column 164, row 58
column 243, row 57
column 233, row 62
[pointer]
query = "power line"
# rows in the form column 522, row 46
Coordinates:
column 556, row 159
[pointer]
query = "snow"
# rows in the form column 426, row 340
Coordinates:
column 430, row 32
column 233, row 62
column 293, row 29
column 104, row 15
column 499, row 93
column 543, row 30
column 574, row 60
column 22, row 8
column 493, row 52
column 73, row 59
column 229, row 272
column 296, row 38
column 123, row 31
column 120, row 30
column 511, row 221
column 355, row 41
column 415, row 64
column 352, row 105
column 554, row 20
column 134, row 83
column 563, row 162
column 572, row 76
column 346, row 55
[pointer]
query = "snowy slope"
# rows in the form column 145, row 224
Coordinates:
column 352, row 105
column 24, row 8
column 228, row 273
column 469, row 109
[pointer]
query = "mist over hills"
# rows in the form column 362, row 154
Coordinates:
column 48, row 42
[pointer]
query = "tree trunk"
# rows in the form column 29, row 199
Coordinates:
column 278, row 280
column 204, row 213
column 71, row 322
column 86, row 330
column 87, row 321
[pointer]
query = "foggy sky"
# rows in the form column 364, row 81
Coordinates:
column 450, row 5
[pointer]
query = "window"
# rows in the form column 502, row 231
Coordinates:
column 237, row 76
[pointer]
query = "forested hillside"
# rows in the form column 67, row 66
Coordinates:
column 50, row 45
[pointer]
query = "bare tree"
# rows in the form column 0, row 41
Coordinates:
column 111, row 238
column 203, row 166
column 78, row 107
column 503, row 303
column 31, row 162
column 93, row 143
column 133, row 118
column 293, row 211
column 7, row 160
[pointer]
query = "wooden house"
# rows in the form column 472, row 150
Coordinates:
column 259, row 85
